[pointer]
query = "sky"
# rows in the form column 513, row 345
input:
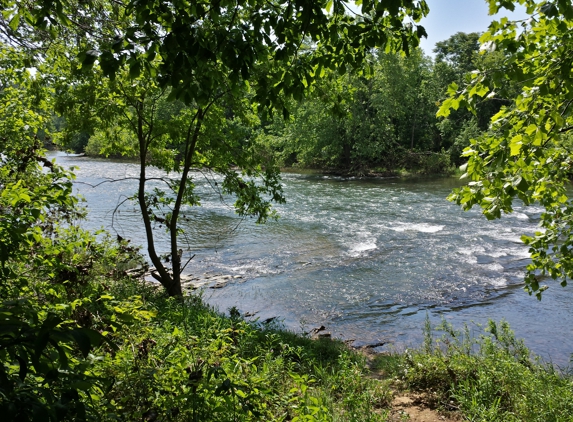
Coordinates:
column 450, row 16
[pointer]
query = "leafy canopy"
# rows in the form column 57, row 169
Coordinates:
column 224, row 60
column 207, row 46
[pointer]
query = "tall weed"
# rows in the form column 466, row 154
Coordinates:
column 492, row 377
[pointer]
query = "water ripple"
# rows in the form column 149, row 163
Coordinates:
column 367, row 258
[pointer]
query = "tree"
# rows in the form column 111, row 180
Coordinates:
column 404, row 93
column 459, row 52
column 356, row 122
column 212, row 56
column 527, row 152
column 44, row 373
column 134, row 116
column 456, row 58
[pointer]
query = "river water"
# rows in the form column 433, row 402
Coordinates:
column 367, row 258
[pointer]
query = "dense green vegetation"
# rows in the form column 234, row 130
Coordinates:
column 115, row 75
column 381, row 121
column 77, row 340
column 182, row 85
column 491, row 377
column 84, row 342
column 526, row 152
column 385, row 121
column 81, row 341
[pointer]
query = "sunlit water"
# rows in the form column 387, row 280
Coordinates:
column 369, row 259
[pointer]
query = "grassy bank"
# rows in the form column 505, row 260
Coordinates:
column 85, row 342
column 191, row 363
column 492, row 377
column 82, row 341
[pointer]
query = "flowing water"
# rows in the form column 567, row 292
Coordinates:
column 369, row 259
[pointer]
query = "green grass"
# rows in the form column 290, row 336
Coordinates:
column 489, row 378
column 81, row 341
column 191, row 363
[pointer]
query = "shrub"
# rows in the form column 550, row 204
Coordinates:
column 489, row 378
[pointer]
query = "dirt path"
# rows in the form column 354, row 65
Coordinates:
column 414, row 408
column 411, row 407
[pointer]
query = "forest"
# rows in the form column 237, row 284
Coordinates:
column 379, row 118
column 243, row 89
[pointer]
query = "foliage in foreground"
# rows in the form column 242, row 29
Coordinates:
column 170, row 360
column 80, row 341
column 526, row 154
column 191, row 363
column 490, row 378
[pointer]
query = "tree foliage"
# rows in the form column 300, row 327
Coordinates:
column 459, row 51
column 526, row 154
column 384, row 120
column 45, row 373
column 222, row 60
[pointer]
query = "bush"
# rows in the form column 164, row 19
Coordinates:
column 428, row 162
column 191, row 363
column 490, row 378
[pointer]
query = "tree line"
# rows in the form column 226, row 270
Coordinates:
column 379, row 117
column 383, row 118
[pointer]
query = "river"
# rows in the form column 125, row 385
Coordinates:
column 367, row 258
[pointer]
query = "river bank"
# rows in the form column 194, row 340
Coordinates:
column 419, row 164
column 84, row 342
column 453, row 376
column 411, row 171
column 367, row 258
column 136, row 354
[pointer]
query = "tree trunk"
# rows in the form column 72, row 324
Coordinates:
column 171, row 282
column 191, row 142
column 163, row 275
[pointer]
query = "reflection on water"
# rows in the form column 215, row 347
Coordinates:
column 367, row 258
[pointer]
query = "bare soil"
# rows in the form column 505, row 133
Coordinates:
column 409, row 406
column 415, row 408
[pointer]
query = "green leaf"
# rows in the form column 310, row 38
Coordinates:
column 482, row 90
column 531, row 129
column 134, row 70
column 515, row 145
column 444, row 110
column 81, row 385
column 23, row 367
column 549, row 9
column 88, row 58
column 83, row 341
column 452, row 89
column 14, row 22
